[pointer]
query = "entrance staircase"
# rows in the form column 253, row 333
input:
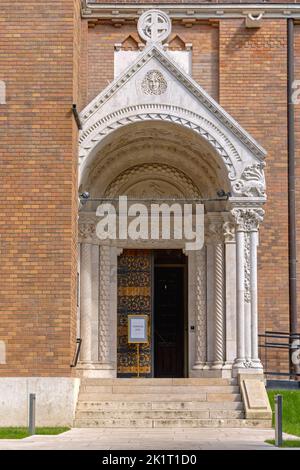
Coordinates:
column 162, row 403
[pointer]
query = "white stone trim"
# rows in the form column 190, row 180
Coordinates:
column 188, row 10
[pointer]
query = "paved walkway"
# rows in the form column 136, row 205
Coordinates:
column 161, row 439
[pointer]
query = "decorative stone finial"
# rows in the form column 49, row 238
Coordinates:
column 154, row 26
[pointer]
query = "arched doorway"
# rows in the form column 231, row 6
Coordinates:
column 171, row 140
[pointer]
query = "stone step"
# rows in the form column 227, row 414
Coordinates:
column 160, row 414
column 153, row 381
column 157, row 405
column 171, row 423
column 157, row 389
column 146, row 397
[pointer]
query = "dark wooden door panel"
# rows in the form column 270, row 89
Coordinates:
column 169, row 321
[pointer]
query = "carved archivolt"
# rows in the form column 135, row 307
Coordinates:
column 91, row 137
column 171, row 174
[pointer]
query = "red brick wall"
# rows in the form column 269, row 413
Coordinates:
column 253, row 90
column 297, row 155
column 50, row 59
column 38, row 151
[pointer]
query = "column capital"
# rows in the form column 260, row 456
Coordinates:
column 247, row 219
column 86, row 231
column 214, row 228
column 228, row 228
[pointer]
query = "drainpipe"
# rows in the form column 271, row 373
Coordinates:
column 291, row 185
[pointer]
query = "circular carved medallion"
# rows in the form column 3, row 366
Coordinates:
column 154, row 26
column 154, row 83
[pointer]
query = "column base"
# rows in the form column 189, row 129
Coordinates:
column 199, row 366
column 217, row 365
column 96, row 370
column 247, row 366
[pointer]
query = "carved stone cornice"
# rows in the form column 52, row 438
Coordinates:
column 246, row 219
column 218, row 10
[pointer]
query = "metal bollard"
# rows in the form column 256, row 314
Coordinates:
column 31, row 426
column 278, row 420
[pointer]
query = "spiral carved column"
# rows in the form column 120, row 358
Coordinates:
column 216, row 238
column 200, row 310
column 219, row 304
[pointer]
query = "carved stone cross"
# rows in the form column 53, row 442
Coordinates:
column 154, row 26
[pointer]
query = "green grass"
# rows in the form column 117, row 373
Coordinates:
column 290, row 415
column 286, row 443
column 20, row 433
column 290, row 410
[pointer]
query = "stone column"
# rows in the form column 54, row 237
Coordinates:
column 247, row 221
column 86, row 302
column 216, row 237
column 230, row 290
column 253, row 289
column 200, row 310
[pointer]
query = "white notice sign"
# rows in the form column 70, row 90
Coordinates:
column 137, row 329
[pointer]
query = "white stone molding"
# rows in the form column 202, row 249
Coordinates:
column 200, row 310
column 181, row 11
column 91, row 138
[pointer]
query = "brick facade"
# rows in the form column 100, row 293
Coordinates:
column 50, row 59
column 39, row 43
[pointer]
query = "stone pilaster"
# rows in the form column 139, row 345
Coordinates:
column 104, row 306
column 86, row 302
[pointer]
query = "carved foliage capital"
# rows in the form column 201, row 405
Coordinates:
column 247, row 219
